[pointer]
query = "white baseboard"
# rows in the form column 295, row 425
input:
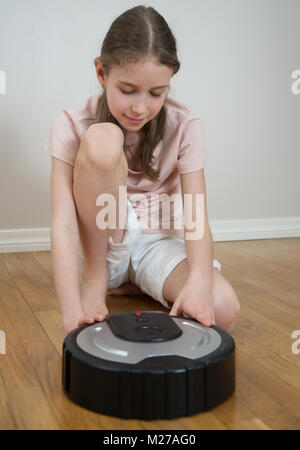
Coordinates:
column 38, row 239
column 245, row 230
column 24, row 240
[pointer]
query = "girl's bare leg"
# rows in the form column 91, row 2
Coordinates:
column 100, row 168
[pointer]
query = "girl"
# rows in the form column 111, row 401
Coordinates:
column 134, row 137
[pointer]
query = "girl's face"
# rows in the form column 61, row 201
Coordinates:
column 135, row 91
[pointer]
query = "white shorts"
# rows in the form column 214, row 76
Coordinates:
column 145, row 259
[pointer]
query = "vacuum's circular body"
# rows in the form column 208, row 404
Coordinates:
column 148, row 365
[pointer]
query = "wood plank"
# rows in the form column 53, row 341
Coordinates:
column 253, row 392
column 7, row 421
column 44, row 260
column 50, row 321
column 6, row 281
column 27, row 404
column 24, row 269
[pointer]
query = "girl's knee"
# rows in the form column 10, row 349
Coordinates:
column 106, row 131
column 227, row 309
column 232, row 305
column 103, row 145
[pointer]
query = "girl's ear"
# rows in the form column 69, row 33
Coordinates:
column 100, row 72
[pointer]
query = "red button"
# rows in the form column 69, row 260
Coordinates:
column 138, row 313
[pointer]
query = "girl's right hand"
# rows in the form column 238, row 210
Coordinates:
column 70, row 325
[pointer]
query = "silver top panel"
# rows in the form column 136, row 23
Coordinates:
column 195, row 342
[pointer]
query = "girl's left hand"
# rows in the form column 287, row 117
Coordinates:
column 195, row 301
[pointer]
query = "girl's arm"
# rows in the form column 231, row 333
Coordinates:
column 195, row 298
column 199, row 241
column 65, row 244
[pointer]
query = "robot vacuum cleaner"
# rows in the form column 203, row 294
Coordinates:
column 148, row 365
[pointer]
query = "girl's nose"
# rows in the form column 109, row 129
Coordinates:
column 138, row 109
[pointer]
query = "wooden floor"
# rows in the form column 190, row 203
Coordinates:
column 266, row 277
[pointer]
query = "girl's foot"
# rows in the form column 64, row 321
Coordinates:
column 127, row 288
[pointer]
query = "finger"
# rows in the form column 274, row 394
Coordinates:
column 175, row 309
column 202, row 318
column 99, row 317
column 203, row 315
column 66, row 332
column 211, row 316
column 213, row 319
column 87, row 319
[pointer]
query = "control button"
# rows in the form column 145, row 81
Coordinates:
column 146, row 329
column 142, row 319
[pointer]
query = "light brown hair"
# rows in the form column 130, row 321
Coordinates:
column 136, row 34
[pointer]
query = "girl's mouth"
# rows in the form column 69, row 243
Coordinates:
column 134, row 121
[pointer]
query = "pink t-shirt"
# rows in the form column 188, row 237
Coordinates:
column 158, row 204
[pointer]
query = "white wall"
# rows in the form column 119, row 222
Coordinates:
column 237, row 59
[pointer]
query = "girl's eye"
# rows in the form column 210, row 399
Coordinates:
column 131, row 92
